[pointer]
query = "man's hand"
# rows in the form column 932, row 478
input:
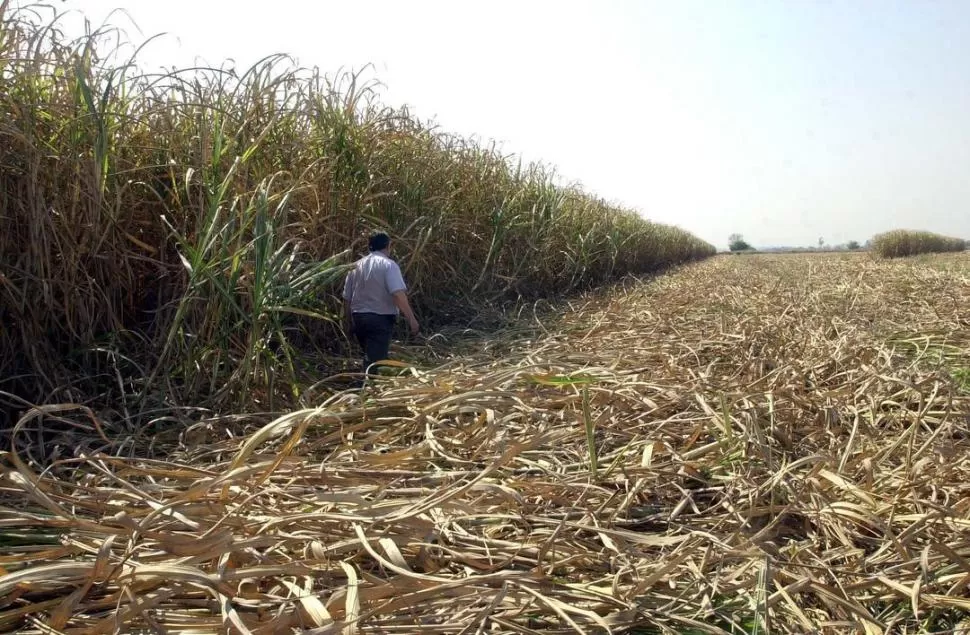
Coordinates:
column 415, row 327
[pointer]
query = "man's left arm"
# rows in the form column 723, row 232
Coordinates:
column 348, row 298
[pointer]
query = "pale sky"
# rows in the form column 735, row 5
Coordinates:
column 784, row 121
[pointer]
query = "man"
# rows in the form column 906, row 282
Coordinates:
column 374, row 294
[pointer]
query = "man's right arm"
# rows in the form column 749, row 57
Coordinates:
column 401, row 302
column 398, row 290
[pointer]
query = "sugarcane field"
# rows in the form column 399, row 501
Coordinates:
column 278, row 357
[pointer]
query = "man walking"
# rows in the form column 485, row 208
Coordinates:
column 374, row 294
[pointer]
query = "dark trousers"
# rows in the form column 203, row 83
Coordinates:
column 373, row 332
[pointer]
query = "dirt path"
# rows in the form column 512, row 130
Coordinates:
column 781, row 442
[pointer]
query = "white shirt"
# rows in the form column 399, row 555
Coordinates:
column 371, row 284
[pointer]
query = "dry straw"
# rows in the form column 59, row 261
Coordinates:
column 767, row 444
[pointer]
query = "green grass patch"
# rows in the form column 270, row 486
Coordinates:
column 961, row 376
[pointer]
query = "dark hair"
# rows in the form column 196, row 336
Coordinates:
column 379, row 241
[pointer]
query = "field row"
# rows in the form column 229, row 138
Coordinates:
column 195, row 225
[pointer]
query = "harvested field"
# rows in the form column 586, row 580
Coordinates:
column 764, row 444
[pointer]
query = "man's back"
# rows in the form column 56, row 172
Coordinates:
column 372, row 283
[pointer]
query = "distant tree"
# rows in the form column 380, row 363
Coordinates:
column 852, row 245
column 736, row 242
